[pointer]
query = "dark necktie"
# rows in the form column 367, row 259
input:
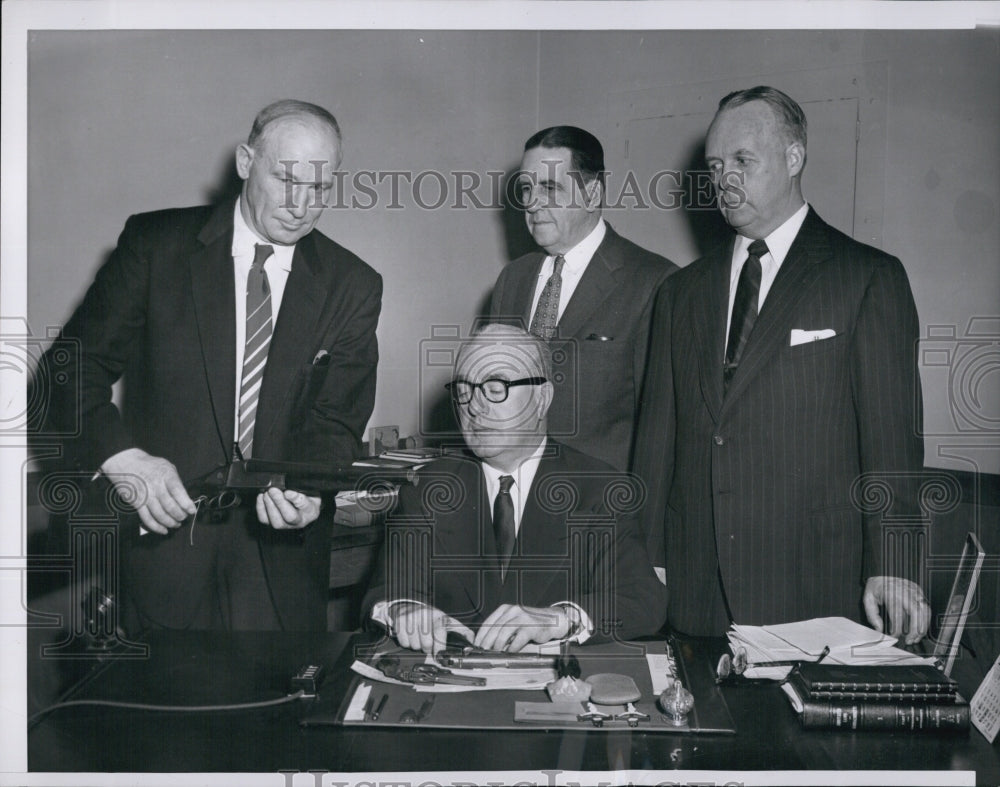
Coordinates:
column 546, row 317
column 258, row 339
column 744, row 310
column 503, row 524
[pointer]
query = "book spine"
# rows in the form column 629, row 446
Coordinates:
column 928, row 717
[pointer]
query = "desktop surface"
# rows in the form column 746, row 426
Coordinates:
column 210, row 668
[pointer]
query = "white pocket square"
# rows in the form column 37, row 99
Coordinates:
column 800, row 336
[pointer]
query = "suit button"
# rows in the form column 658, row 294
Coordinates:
column 718, row 439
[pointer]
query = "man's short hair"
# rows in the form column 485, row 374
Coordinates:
column 790, row 115
column 536, row 351
column 290, row 107
column 588, row 154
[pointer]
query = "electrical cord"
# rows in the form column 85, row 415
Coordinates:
column 34, row 718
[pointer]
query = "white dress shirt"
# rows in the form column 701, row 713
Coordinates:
column 277, row 267
column 577, row 260
column 778, row 244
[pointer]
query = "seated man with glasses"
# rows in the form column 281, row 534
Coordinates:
column 522, row 541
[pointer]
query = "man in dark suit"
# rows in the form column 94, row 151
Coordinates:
column 589, row 294
column 757, row 433
column 516, row 541
column 239, row 329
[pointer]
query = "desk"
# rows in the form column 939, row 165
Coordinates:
column 211, row 668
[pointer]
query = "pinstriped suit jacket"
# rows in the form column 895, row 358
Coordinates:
column 751, row 492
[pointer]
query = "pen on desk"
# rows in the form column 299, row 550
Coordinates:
column 823, row 654
column 368, row 707
column 381, row 706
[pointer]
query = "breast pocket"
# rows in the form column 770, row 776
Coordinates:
column 816, row 347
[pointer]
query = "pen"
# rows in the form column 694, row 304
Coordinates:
column 368, row 707
column 823, row 654
column 381, row 706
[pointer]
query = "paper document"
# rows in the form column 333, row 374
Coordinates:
column 849, row 643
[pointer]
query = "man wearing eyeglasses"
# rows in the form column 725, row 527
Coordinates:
column 516, row 543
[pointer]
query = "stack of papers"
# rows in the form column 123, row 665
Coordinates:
column 849, row 643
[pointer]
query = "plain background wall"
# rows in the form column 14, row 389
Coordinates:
column 126, row 121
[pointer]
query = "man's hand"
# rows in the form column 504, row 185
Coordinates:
column 510, row 627
column 163, row 503
column 287, row 509
column 423, row 627
column 909, row 612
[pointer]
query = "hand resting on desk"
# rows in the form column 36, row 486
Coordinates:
column 510, row 627
column 903, row 600
column 422, row 627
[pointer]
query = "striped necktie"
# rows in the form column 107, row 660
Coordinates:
column 546, row 317
column 258, row 339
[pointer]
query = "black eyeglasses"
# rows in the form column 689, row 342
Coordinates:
column 495, row 389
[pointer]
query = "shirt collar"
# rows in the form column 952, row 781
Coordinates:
column 779, row 241
column 244, row 240
column 523, row 475
column 580, row 255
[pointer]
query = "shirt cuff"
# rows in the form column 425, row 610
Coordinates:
column 381, row 612
column 581, row 626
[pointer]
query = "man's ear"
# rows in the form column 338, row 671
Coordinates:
column 244, row 158
column 545, row 394
column 595, row 194
column 795, row 158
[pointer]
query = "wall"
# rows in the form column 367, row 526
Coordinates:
column 126, row 121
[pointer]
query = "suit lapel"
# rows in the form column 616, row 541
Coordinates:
column 598, row 281
column 774, row 324
column 518, row 302
column 301, row 306
column 543, row 531
column 212, row 291
column 456, row 537
column 709, row 314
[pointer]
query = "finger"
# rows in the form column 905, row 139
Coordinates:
column 439, row 636
column 284, row 506
column 919, row 621
column 261, row 511
column 170, row 506
column 156, row 511
column 272, row 516
column 487, row 629
column 405, row 632
column 458, row 628
column 149, row 523
column 522, row 636
column 175, row 488
column 871, row 611
column 925, row 619
column 897, row 615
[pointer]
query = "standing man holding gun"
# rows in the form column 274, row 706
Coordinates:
column 241, row 331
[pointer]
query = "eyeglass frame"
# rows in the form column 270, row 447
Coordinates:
column 507, row 384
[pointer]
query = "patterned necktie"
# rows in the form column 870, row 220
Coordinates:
column 503, row 524
column 546, row 317
column 258, row 339
column 744, row 310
